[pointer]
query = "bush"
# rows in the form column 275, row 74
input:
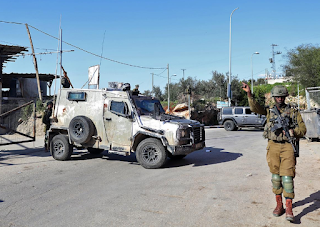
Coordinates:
column 28, row 110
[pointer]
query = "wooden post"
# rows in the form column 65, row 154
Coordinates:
column 35, row 63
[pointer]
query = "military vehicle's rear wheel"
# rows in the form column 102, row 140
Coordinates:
column 175, row 157
column 81, row 129
column 95, row 150
column 151, row 154
column 60, row 148
column 229, row 125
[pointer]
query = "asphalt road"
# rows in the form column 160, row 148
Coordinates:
column 226, row 184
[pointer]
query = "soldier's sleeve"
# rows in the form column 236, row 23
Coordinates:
column 256, row 107
column 300, row 130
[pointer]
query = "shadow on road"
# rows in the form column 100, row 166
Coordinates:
column 8, row 154
column 207, row 156
column 313, row 199
column 251, row 129
column 104, row 155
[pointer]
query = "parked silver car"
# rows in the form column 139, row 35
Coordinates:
column 235, row 117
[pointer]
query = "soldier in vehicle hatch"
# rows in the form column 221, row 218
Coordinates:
column 136, row 91
column 280, row 152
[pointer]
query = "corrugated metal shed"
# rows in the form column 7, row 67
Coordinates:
column 7, row 53
column 42, row 77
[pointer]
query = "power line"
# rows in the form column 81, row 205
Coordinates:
column 14, row 44
column 161, row 73
column 8, row 22
column 79, row 48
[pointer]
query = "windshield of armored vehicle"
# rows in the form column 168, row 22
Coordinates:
column 145, row 106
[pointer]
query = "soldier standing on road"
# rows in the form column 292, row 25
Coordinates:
column 46, row 120
column 280, row 154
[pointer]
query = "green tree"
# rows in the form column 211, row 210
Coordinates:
column 303, row 65
column 147, row 93
column 219, row 83
column 158, row 93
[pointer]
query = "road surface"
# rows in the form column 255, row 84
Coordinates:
column 225, row 184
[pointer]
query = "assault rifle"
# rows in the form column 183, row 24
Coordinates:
column 283, row 123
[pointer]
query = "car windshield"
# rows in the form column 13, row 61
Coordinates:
column 145, row 106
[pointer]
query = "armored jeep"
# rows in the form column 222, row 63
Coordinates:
column 120, row 122
column 236, row 117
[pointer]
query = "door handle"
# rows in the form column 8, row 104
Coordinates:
column 108, row 119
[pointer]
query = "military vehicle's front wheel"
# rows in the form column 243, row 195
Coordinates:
column 229, row 125
column 60, row 148
column 151, row 154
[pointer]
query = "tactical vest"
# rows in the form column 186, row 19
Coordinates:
column 278, row 135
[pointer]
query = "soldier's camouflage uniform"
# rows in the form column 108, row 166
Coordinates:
column 280, row 155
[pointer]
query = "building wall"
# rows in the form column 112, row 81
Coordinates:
column 30, row 88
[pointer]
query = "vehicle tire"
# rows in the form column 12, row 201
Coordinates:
column 229, row 125
column 176, row 157
column 81, row 129
column 95, row 150
column 151, row 154
column 60, row 148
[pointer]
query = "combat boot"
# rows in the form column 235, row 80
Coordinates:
column 289, row 214
column 278, row 211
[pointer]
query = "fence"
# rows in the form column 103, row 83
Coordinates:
column 18, row 125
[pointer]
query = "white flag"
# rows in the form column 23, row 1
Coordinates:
column 94, row 75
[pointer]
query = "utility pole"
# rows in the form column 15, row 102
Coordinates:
column 183, row 73
column 273, row 60
column 168, row 90
column 229, row 85
column 152, row 83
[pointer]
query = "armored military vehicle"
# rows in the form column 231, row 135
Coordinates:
column 117, row 121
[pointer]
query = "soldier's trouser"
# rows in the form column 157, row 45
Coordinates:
column 281, row 161
column 46, row 128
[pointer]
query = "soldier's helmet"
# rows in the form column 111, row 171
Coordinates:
column 279, row 91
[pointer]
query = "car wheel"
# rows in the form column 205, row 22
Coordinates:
column 95, row 150
column 151, row 154
column 175, row 157
column 60, row 147
column 229, row 125
column 81, row 129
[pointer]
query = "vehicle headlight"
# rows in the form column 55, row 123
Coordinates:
column 184, row 133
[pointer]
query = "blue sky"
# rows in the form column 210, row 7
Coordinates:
column 189, row 34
